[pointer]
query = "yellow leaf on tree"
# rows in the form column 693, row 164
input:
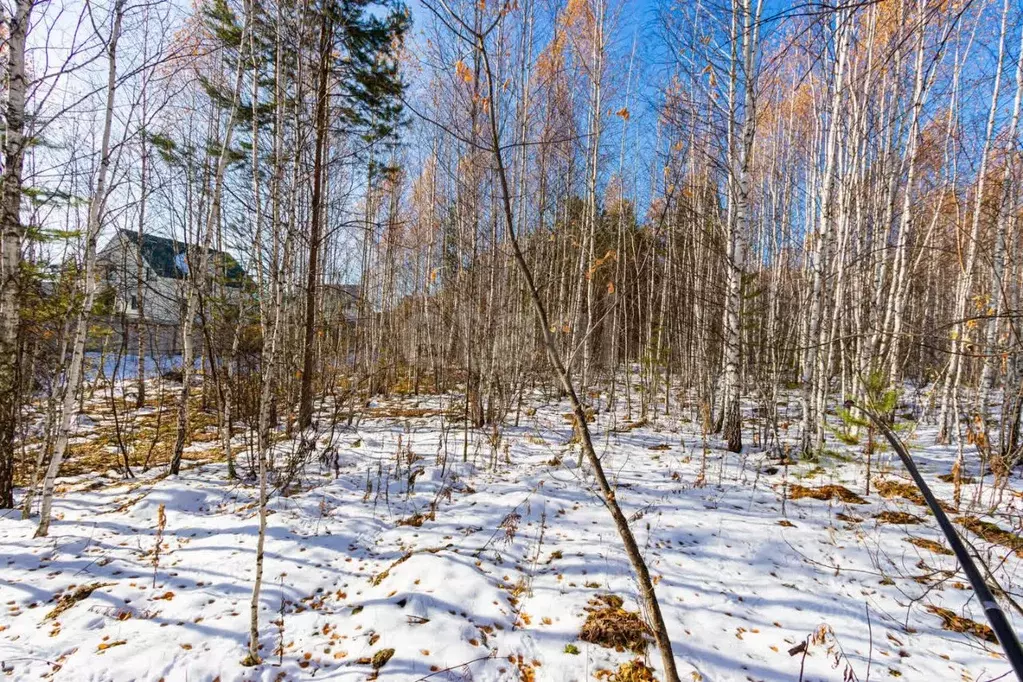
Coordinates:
column 463, row 71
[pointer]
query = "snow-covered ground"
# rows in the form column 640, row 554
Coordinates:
column 483, row 569
column 125, row 367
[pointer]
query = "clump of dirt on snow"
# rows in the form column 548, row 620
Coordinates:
column 825, row 492
column 609, row 625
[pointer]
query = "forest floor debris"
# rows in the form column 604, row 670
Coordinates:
column 497, row 560
column 993, row 533
column 611, row 626
column 825, row 492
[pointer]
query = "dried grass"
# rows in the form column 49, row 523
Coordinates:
column 930, row 545
column 889, row 489
column 630, row 426
column 397, row 411
column 993, row 533
column 591, row 415
column 899, row 518
column 381, row 658
column 632, row 671
column 950, row 620
column 897, row 489
column 609, row 625
column 148, row 436
column 66, row 601
column 825, row 492
column 416, row 520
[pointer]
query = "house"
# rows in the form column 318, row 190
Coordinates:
column 155, row 295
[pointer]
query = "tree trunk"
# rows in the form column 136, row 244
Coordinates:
column 305, row 408
column 97, row 204
column 10, row 243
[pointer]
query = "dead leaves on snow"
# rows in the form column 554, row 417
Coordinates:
column 825, row 492
column 610, row 625
column 899, row 518
column 956, row 623
column 890, row 489
column 631, row 671
column 993, row 533
column 66, row 601
column 930, row 545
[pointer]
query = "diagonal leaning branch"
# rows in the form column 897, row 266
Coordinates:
column 999, row 623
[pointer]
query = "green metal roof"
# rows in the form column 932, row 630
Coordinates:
column 170, row 258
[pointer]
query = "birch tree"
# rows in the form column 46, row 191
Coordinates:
column 89, row 283
column 17, row 22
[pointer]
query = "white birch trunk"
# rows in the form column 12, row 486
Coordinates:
column 97, row 203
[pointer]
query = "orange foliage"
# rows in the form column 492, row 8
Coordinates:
column 463, row 72
column 578, row 16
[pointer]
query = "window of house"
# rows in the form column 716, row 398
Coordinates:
column 134, row 303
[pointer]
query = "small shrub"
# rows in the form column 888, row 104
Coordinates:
column 951, row 478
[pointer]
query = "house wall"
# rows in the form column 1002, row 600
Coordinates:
column 162, row 303
column 161, row 296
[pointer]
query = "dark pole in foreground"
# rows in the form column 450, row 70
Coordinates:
column 999, row 623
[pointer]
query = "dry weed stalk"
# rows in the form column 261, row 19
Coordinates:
column 161, row 524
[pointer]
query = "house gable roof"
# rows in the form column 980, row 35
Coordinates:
column 167, row 258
